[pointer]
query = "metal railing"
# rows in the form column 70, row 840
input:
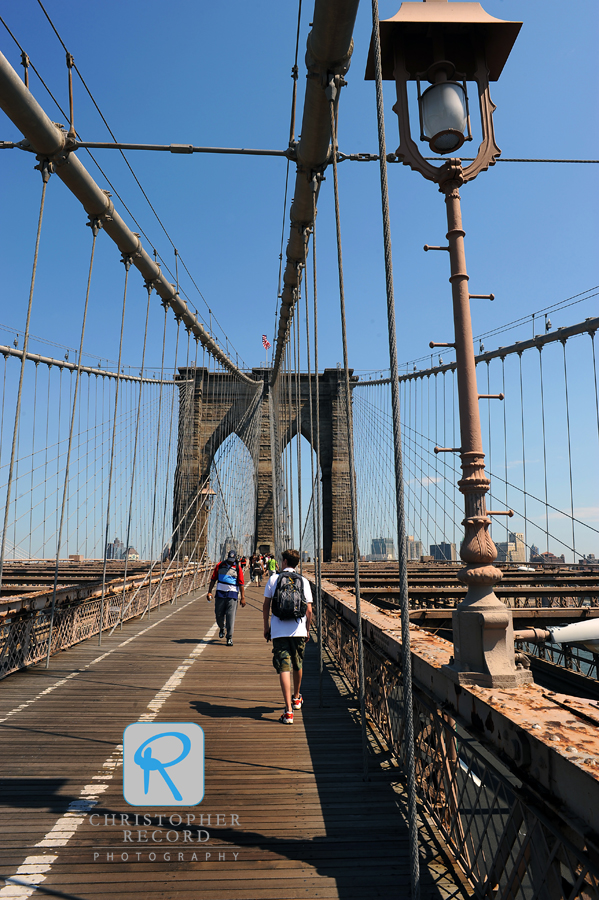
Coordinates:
column 582, row 662
column 24, row 641
column 510, row 844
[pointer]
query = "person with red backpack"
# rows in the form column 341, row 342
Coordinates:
column 288, row 606
column 228, row 576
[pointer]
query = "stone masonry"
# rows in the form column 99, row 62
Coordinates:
column 215, row 405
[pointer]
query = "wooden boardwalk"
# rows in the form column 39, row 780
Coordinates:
column 307, row 824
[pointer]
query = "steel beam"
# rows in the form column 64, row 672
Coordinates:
column 50, row 142
column 329, row 51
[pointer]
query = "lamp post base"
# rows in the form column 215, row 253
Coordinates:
column 516, row 679
column 483, row 638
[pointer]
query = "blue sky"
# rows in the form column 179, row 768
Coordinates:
column 219, row 74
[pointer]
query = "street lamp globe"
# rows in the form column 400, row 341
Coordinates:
column 444, row 116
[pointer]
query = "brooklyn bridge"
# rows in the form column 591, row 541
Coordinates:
column 429, row 449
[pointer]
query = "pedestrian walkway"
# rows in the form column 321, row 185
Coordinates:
column 286, row 813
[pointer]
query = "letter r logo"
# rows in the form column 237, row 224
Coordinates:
column 163, row 764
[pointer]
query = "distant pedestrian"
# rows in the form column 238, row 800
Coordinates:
column 287, row 615
column 228, row 575
column 257, row 571
column 272, row 566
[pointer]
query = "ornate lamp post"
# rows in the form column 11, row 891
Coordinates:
column 450, row 44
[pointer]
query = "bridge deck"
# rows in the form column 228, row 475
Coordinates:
column 309, row 826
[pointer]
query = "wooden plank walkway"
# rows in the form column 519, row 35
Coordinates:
column 307, row 825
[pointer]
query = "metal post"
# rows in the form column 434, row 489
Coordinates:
column 483, row 633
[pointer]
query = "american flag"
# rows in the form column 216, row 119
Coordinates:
column 265, row 342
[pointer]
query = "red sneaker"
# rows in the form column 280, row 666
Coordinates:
column 287, row 718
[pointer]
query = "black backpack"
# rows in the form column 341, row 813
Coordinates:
column 288, row 601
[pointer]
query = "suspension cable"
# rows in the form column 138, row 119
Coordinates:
column 135, row 443
column 569, row 448
column 315, row 440
column 401, row 536
column 45, row 178
column 127, row 263
column 95, row 227
column 332, row 93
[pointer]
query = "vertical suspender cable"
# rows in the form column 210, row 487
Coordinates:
column 290, row 454
column 33, row 458
column 314, row 501
column 523, row 451
column 46, row 465
column 507, row 530
column 332, row 92
column 45, row 176
column 95, row 227
column 3, row 402
column 401, row 536
column 592, row 336
column 158, row 436
column 170, row 441
column 274, row 454
column 318, row 468
column 453, row 440
column 135, row 442
column 544, row 447
column 127, row 263
column 294, row 74
column 490, row 435
column 298, row 410
column 569, row 450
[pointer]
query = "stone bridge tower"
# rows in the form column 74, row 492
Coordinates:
column 215, row 405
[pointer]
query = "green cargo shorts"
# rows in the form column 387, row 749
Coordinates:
column 288, row 653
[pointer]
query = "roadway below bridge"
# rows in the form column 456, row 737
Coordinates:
column 285, row 814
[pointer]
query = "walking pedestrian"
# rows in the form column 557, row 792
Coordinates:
column 228, row 575
column 287, row 613
column 257, row 570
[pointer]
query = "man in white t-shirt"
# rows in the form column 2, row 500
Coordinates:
column 289, row 637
